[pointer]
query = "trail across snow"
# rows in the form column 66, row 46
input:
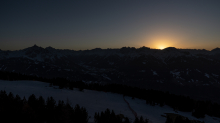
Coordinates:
column 95, row 101
column 135, row 113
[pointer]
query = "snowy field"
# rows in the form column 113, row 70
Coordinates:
column 95, row 101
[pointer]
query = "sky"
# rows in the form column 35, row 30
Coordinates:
column 89, row 24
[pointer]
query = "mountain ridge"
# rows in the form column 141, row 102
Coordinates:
column 167, row 69
column 45, row 53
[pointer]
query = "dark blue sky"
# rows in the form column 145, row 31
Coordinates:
column 87, row 24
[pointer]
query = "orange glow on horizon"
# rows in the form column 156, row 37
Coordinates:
column 162, row 44
column 161, row 47
column 161, row 40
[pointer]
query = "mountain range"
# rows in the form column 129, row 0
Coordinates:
column 191, row 72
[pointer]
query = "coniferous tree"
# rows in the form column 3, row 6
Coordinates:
column 107, row 117
column 80, row 115
column 50, row 106
column 41, row 109
column 126, row 120
column 169, row 120
column 32, row 101
column 187, row 120
column 179, row 119
column 141, row 120
column 146, row 120
column 136, row 120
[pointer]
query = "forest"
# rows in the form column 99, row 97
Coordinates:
column 33, row 105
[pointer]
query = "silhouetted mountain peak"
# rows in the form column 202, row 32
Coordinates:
column 33, row 51
column 50, row 48
column 170, row 49
column 97, row 49
column 144, row 47
column 35, row 47
column 216, row 50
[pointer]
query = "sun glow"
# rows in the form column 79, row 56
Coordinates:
column 162, row 43
column 161, row 39
column 161, row 47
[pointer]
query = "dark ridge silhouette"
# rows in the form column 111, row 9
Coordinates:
column 216, row 50
column 143, row 48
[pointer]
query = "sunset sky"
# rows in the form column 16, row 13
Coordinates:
column 88, row 24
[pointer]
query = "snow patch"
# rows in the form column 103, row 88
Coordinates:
column 207, row 75
column 175, row 73
column 28, row 67
column 215, row 75
column 154, row 73
column 198, row 70
column 105, row 76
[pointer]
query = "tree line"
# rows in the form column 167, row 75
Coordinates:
column 153, row 97
column 38, row 110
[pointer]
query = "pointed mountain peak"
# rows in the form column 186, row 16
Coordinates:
column 144, row 47
column 35, row 47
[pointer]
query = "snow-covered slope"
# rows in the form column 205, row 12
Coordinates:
column 95, row 101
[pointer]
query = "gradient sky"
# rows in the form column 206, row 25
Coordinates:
column 88, row 24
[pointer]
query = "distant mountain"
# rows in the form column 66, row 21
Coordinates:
column 175, row 70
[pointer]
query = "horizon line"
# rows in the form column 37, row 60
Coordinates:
column 113, row 48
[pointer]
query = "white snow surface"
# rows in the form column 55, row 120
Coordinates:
column 95, row 101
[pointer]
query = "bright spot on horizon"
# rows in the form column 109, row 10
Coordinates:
column 161, row 47
column 162, row 44
column 162, row 40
